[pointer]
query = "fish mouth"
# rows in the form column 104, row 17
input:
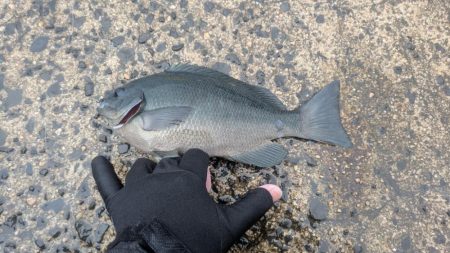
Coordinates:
column 135, row 109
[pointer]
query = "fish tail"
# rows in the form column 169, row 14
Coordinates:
column 320, row 118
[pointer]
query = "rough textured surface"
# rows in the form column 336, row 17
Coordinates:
column 389, row 193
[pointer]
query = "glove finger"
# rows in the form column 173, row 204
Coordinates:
column 246, row 212
column 105, row 177
column 140, row 168
column 167, row 164
column 196, row 161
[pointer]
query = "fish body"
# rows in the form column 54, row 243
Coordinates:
column 195, row 107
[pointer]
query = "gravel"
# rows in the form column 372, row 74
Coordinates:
column 177, row 47
column 126, row 55
column 123, row 148
column 233, row 58
column 56, row 205
column 103, row 138
column 100, row 232
column 285, row 7
column 310, row 161
column 318, row 210
column 39, row 243
column 161, row 47
column 118, row 40
column 260, row 77
column 3, row 136
column 144, row 37
column 209, row 6
column 39, row 44
column 280, row 80
column 54, row 90
column 222, row 67
column 43, row 172
column 83, row 229
column 88, row 88
column 320, row 19
column 14, row 98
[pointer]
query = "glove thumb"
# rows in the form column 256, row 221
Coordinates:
column 240, row 216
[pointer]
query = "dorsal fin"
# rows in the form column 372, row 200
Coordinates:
column 259, row 95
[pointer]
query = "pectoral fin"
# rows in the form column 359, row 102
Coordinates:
column 265, row 155
column 167, row 154
column 165, row 117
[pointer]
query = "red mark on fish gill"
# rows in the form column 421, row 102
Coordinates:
column 130, row 114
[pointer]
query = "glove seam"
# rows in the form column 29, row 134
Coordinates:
column 221, row 227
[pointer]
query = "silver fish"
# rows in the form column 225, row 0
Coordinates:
column 189, row 106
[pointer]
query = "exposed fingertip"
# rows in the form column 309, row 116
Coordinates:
column 274, row 191
column 208, row 181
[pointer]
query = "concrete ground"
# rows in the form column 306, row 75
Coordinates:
column 389, row 193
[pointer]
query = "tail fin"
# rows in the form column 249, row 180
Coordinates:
column 320, row 119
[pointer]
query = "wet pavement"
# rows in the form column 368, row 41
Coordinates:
column 389, row 193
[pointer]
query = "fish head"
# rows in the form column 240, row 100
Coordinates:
column 120, row 106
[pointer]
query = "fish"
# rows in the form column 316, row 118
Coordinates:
column 189, row 106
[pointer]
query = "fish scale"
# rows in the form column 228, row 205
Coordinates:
column 195, row 107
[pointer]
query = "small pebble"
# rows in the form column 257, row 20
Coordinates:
column 123, row 148
column 320, row 19
column 285, row 7
column 66, row 214
column 4, row 174
column 161, row 47
column 233, row 58
column 177, row 47
column 91, row 205
column 280, row 80
column 100, row 232
column 309, row 248
column 88, row 88
column 43, row 172
column 144, row 37
column 310, row 161
column 286, row 223
column 39, row 44
column 31, row 201
column 318, row 210
column 260, row 77
column 440, row 80
column 83, row 229
column 40, row 244
column 100, row 211
column 117, row 41
column 209, row 6
column 6, row 149
column 103, row 138
column 82, row 65
column 54, row 232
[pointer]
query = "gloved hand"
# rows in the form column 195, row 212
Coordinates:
column 166, row 207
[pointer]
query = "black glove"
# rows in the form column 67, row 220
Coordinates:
column 166, row 207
